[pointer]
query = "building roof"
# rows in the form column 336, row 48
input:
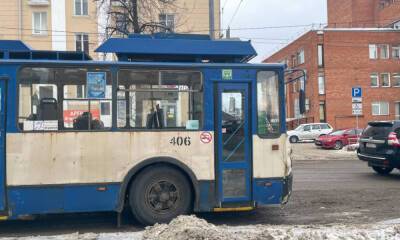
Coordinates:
column 13, row 45
column 178, row 47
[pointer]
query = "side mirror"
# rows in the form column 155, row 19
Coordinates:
column 302, row 101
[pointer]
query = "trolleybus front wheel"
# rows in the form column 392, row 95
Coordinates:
column 159, row 194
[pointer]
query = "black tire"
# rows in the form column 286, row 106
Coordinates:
column 382, row 170
column 159, row 194
column 293, row 139
column 338, row 145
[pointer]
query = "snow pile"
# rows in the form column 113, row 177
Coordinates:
column 190, row 227
column 187, row 227
column 84, row 236
column 352, row 147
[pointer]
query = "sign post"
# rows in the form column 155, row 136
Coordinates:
column 356, row 95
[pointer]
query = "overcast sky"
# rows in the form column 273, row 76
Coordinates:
column 271, row 13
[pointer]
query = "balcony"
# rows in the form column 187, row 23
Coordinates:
column 38, row 2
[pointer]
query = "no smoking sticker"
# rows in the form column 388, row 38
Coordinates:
column 205, row 137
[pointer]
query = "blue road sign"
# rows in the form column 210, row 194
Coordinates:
column 356, row 92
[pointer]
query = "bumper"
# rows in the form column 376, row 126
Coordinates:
column 379, row 161
column 287, row 188
column 324, row 144
column 272, row 191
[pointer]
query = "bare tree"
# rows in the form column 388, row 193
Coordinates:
column 136, row 16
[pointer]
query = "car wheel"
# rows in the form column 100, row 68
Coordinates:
column 159, row 194
column 338, row 145
column 293, row 139
column 383, row 170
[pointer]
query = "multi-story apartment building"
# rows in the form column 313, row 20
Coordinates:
column 344, row 55
column 69, row 25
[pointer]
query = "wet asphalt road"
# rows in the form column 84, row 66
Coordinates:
column 324, row 192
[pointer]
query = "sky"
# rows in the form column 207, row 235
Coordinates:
column 277, row 22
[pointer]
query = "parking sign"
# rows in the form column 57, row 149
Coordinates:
column 356, row 92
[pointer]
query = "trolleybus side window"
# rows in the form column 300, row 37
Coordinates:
column 159, row 99
column 268, row 104
column 53, row 99
column 38, row 100
column 87, row 96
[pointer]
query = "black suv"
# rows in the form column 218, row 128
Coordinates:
column 380, row 146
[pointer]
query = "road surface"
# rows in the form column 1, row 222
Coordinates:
column 325, row 191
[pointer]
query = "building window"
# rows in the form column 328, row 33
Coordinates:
column 82, row 42
column 374, row 80
column 39, row 23
column 307, row 103
column 396, row 80
column 81, row 7
column 373, row 51
column 397, row 110
column 167, row 20
column 396, row 52
column 321, row 84
column 385, row 79
column 300, row 57
column 322, row 111
column 380, row 108
column 320, row 55
column 384, row 51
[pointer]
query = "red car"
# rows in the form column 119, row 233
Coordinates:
column 338, row 139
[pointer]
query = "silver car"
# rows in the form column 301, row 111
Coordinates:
column 309, row 131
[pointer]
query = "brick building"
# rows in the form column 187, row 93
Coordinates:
column 346, row 54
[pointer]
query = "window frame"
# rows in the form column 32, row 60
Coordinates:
column 40, row 32
column 378, row 103
column 82, row 14
column 396, row 76
column 300, row 56
column 380, row 48
column 167, row 20
column 396, row 48
column 320, row 55
column 375, row 52
column 323, row 92
column 81, row 36
column 397, row 110
column 388, row 74
column 180, row 129
column 280, row 83
column 377, row 80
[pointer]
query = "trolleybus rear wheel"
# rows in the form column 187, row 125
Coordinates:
column 159, row 194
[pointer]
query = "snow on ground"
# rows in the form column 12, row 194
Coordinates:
column 308, row 151
column 191, row 227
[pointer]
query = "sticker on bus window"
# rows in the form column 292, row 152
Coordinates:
column 96, row 84
column 227, row 74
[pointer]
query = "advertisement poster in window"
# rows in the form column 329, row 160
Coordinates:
column 96, row 85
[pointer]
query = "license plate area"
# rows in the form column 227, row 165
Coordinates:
column 370, row 145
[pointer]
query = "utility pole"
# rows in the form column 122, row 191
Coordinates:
column 211, row 18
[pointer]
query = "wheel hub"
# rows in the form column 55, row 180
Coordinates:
column 162, row 196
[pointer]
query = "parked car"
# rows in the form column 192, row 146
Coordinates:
column 309, row 131
column 380, row 146
column 338, row 139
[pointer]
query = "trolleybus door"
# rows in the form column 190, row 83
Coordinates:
column 233, row 143
column 2, row 142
